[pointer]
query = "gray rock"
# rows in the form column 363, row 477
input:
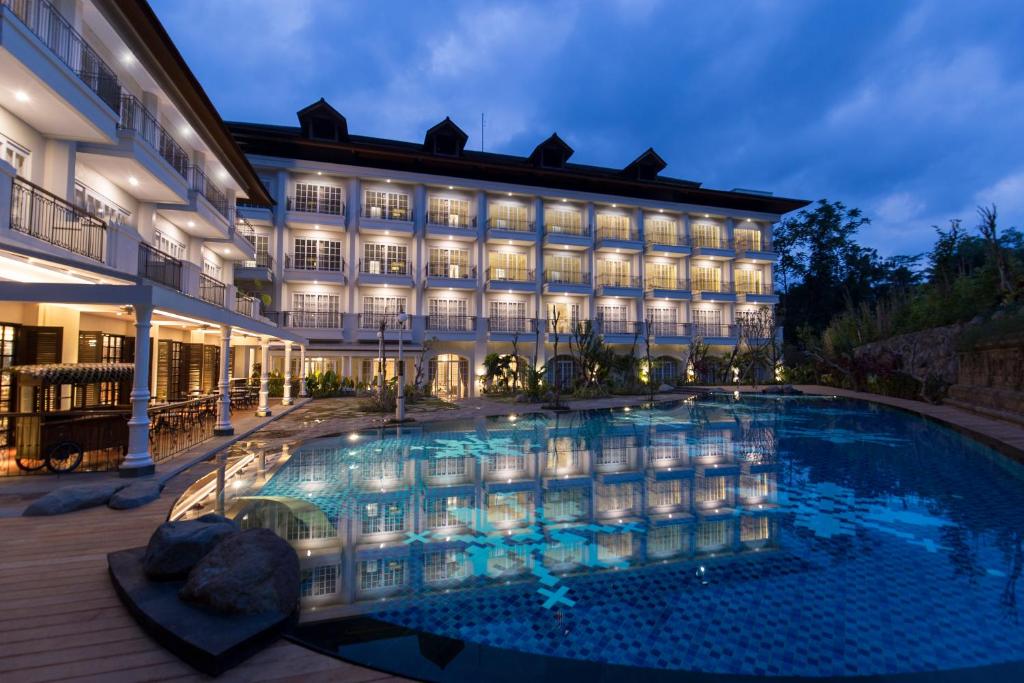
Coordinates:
column 522, row 398
column 176, row 547
column 249, row 573
column 136, row 495
column 74, row 497
column 666, row 388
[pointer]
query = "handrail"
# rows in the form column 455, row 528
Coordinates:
column 313, row 262
column 443, row 270
column 385, row 267
column 313, row 319
column 57, row 33
column 372, row 321
column 245, row 229
column 202, row 184
column 574, row 230
column 511, row 274
column 566, row 277
column 315, row 205
column 136, row 117
column 671, row 283
column 387, row 213
column 261, row 261
column 159, row 267
column 510, row 224
column 211, row 290
column 611, row 280
column 628, row 234
column 45, row 216
column 444, row 219
column 511, row 325
column 451, row 323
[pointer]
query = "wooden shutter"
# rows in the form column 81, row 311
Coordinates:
column 90, row 350
column 191, row 369
column 211, row 363
column 39, row 345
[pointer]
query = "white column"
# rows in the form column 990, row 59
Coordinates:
column 264, row 407
column 138, row 462
column 155, row 353
column 286, row 399
column 223, row 427
column 302, row 371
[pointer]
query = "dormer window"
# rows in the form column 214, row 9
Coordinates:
column 322, row 128
column 552, row 153
column 320, row 121
column 647, row 166
column 445, row 139
column 552, row 158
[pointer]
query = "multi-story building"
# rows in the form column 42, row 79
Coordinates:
column 118, row 232
column 488, row 252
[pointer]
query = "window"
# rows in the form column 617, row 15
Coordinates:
column 614, row 273
column 447, row 314
column 706, row 235
column 446, row 467
column 711, row 446
column 262, row 244
column 313, row 198
column 445, row 565
column 383, row 259
column 708, row 323
column 615, row 450
column 662, row 321
column 665, row 493
column 706, row 279
column 614, row 319
column 564, row 269
column 747, row 239
column 168, row 245
column 508, row 506
column 503, row 462
column 510, row 217
column 449, row 263
column 748, row 281
column 665, row 540
column 754, row 529
column 322, row 580
column 562, row 552
column 7, row 337
column 664, row 370
column 712, row 534
column 755, row 485
column 507, row 266
column 711, row 490
column 563, row 452
column 377, row 309
column 315, row 310
column 311, row 254
column 614, row 547
column 663, row 451
column 385, row 518
column 453, row 213
column 445, row 512
column 616, row 497
column 565, row 504
column 99, row 205
column 381, row 574
column 563, row 221
column 389, row 205
column 613, row 226
column 309, row 525
column 662, row 276
column 661, row 231
column 212, row 269
column 16, row 155
column 382, row 466
column 508, row 316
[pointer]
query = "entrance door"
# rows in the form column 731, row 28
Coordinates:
column 449, row 377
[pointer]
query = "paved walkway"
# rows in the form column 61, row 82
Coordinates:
column 62, row 620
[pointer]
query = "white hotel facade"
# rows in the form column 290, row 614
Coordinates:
column 136, row 227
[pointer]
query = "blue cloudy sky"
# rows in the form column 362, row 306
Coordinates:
column 912, row 111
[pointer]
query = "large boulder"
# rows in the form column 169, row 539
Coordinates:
column 666, row 389
column 136, row 494
column 176, row 547
column 249, row 573
column 74, row 497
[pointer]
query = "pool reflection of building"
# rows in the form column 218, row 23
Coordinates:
column 410, row 515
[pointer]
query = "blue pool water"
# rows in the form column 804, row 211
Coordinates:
column 779, row 536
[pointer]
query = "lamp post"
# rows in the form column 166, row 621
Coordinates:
column 380, row 359
column 400, row 399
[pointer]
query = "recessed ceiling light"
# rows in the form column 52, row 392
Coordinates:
column 451, row 187
column 222, row 174
column 661, row 210
column 127, row 58
column 565, row 200
column 615, row 206
column 319, row 172
column 185, row 131
column 387, row 232
column 388, row 180
column 509, row 194
column 707, row 215
column 191, row 224
column 133, row 181
column 21, row 95
column 227, row 251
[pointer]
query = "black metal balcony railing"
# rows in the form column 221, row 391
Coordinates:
column 669, row 283
column 613, row 280
column 755, row 288
column 57, row 33
column 384, row 267
column 713, row 286
column 451, row 323
column 710, row 242
column 616, row 326
column 451, row 271
column 668, row 329
column 620, row 234
column 560, row 229
column 667, row 238
column 387, row 213
column 135, row 117
column 566, row 277
column 510, row 224
column 175, row 427
column 450, row 220
column 512, row 325
column 206, row 187
column 321, row 320
column 745, row 244
column 247, row 305
column 321, row 205
column 261, row 261
column 496, row 274
column 246, row 204
column 313, row 262
column 713, row 330
column 245, row 229
column 159, row 267
column 47, row 217
column 211, row 290
column 564, row 327
column 373, row 321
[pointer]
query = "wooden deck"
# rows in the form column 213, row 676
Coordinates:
column 61, row 620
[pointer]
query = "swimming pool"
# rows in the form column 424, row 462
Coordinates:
column 760, row 536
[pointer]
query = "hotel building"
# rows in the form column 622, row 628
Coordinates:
column 482, row 249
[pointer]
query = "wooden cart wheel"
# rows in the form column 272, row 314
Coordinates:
column 64, row 457
column 23, row 464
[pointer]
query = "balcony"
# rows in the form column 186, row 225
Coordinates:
column 249, row 306
column 566, row 282
column 511, row 279
column 572, row 236
column 505, row 329
column 315, row 211
column 72, row 92
column 451, row 225
column 712, row 332
column 207, row 213
column 211, row 290
column 370, row 325
column 712, row 247
column 619, row 239
column 386, row 220
column 50, row 219
column 259, row 269
column 311, row 267
column 755, row 250
column 609, row 284
column 564, row 329
column 658, row 287
column 383, row 272
column 618, row 331
column 254, row 212
column 452, row 326
column 156, row 266
column 666, row 242
column 712, row 290
column 312, row 320
column 669, row 332
column 513, row 231
column 450, row 275
column 755, row 292
column 202, row 184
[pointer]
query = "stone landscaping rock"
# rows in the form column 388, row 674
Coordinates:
column 74, row 497
column 666, row 388
column 136, row 495
column 176, row 547
column 252, row 572
column 522, row 398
